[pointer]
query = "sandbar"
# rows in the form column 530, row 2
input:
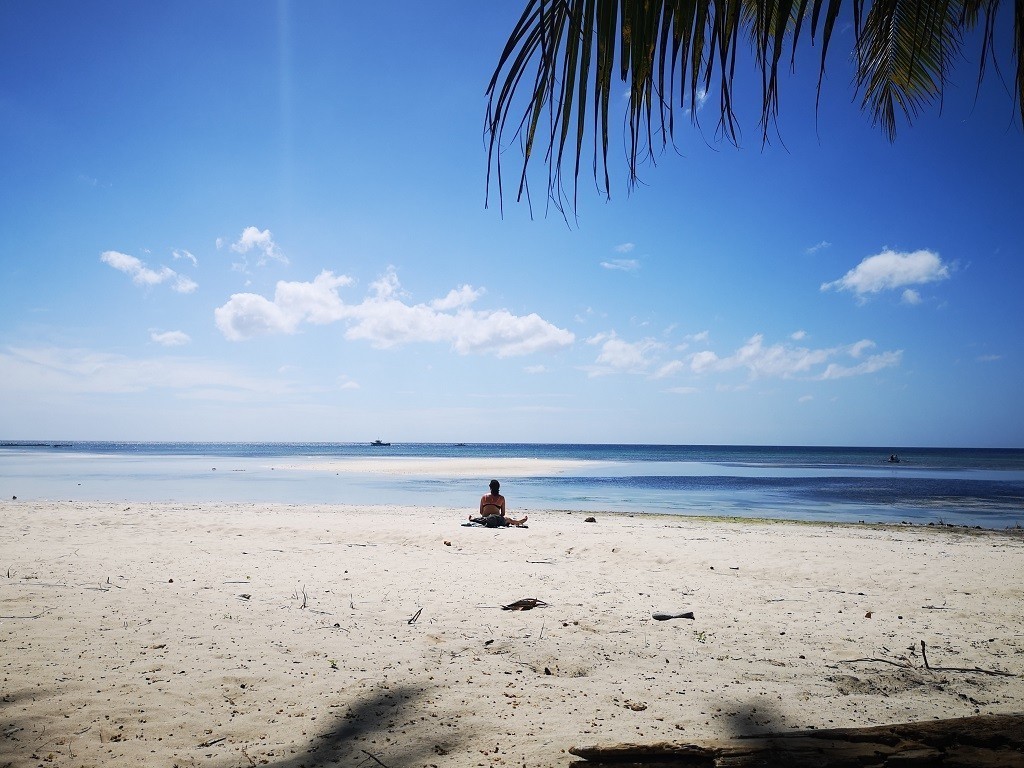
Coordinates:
column 440, row 466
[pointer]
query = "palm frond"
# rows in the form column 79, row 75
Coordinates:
column 1018, row 54
column 669, row 53
column 904, row 52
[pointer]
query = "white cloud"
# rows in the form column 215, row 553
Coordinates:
column 460, row 297
column 622, row 265
column 701, row 337
column 669, row 369
column 989, row 358
column 805, row 399
column 535, row 369
column 798, row 335
column 184, row 284
column 787, row 361
column 143, row 275
column 819, row 247
column 682, row 390
column 625, row 248
column 248, row 314
column 860, row 347
column 620, row 356
column 585, row 315
column 260, row 242
column 871, row 365
column 170, row 338
column 703, row 362
column 889, row 270
column 385, row 320
column 701, row 97
column 911, row 297
column 183, row 254
column 391, row 323
column 55, row 370
column 139, row 272
column 777, row 360
column 387, row 286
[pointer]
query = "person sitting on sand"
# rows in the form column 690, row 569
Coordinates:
column 492, row 509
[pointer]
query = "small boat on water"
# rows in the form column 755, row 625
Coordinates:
column 379, row 444
column 894, row 459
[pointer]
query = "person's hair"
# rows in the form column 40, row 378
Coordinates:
column 495, row 485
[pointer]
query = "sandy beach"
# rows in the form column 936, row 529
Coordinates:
column 235, row 635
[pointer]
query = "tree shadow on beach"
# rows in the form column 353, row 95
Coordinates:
column 757, row 717
column 22, row 734
column 353, row 738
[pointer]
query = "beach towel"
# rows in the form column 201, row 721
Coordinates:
column 490, row 521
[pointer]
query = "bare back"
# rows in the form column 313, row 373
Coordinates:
column 492, row 504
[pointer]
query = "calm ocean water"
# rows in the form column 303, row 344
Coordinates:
column 962, row 486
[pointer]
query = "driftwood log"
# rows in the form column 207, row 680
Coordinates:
column 984, row 741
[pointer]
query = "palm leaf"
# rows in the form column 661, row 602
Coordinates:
column 669, row 53
column 905, row 50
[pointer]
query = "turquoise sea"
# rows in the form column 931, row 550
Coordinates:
column 975, row 487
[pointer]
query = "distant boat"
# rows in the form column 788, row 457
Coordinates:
column 378, row 443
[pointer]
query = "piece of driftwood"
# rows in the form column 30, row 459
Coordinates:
column 526, row 604
column 982, row 741
column 666, row 616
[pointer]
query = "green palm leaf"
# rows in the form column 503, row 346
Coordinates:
column 669, row 53
column 904, row 51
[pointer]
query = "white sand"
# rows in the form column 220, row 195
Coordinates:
column 235, row 635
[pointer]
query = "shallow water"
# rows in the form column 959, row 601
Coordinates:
column 959, row 486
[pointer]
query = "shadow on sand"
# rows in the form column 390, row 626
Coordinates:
column 360, row 736
column 364, row 735
column 21, row 734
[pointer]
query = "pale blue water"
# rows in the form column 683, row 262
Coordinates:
column 961, row 486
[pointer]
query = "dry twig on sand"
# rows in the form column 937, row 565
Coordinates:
column 905, row 664
column 374, row 758
column 28, row 617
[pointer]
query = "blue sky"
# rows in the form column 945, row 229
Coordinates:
column 266, row 221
